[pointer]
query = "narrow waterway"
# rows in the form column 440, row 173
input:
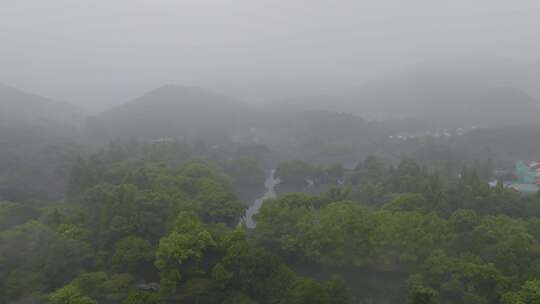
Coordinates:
column 269, row 186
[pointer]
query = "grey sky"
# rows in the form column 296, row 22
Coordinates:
column 100, row 52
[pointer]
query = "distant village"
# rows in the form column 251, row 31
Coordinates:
column 526, row 178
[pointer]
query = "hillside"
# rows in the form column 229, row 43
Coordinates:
column 181, row 112
column 36, row 140
column 171, row 111
column 30, row 122
column 443, row 97
column 20, row 106
column 451, row 93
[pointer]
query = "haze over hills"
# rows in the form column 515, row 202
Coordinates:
column 304, row 152
column 434, row 96
column 492, row 71
column 37, row 140
column 29, row 122
column 313, row 151
column 446, row 93
column 171, row 111
column 451, row 93
column 21, row 106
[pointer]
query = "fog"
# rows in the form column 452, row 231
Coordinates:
column 263, row 152
column 101, row 53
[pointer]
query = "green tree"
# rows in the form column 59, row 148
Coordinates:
column 33, row 252
column 423, row 295
column 70, row 294
column 139, row 297
column 186, row 244
column 529, row 293
column 307, row 291
column 295, row 172
column 131, row 254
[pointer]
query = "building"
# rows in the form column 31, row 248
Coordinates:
column 528, row 178
column 528, row 174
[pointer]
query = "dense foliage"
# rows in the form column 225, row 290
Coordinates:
column 139, row 230
column 158, row 223
column 457, row 239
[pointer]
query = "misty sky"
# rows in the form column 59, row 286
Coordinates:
column 101, row 52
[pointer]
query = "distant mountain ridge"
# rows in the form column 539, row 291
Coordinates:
column 20, row 106
column 172, row 111
column 437, row 95
column 449, row 93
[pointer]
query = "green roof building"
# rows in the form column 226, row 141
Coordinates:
column 525, row 174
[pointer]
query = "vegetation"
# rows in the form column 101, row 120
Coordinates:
column 162, row 220
column 150, row 224
column 458, row 240
column 133, row 224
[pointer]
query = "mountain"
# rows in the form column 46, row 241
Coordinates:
column 22, row 107
column 492, row 71
column 451, row 93
column 172, row 111
column 36, row 145
column 440, row 96
column 28, row 122
column 318, row 136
